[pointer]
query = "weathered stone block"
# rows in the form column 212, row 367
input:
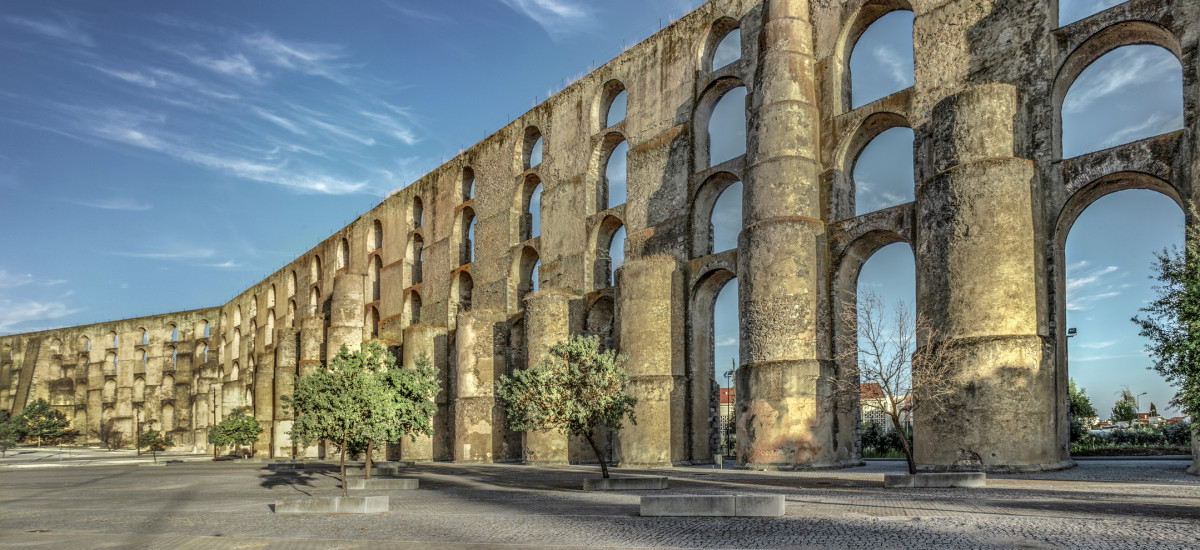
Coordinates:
column 625, row 484
column 935, row 480
column 382, row 484
column 712, row 506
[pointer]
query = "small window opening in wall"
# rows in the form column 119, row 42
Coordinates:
column 727, row 127
column 728, row 50
column 616, row 254
column 174, row 333
column 314, row 269
column 145, row 360
column 616, row 111
column 881, row 62
column 291, row 284
column 204, row 353
column 1131, row 93
column 87, row 345
column 206, row 329
column 1070, row 11
column 376, row 269
column 314, row 300
column 145, row 337
column 468, row 184
column 115, row 340
column 418, row 212
column 466, row 287
column 470, row 244
column 535, row 275
column 616, row 173
column 343, row 254
column 116, row 365
column 883, row 173
column 174, row 359
column 534, row 210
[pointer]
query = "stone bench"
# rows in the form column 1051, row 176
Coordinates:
column 382, row 484
column 940, row 480
column 625, row 484
column 377, row 471
column 753, row 506
column 332, row 505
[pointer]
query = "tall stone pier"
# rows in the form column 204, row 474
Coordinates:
column 547, row 322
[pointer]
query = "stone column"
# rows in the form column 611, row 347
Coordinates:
column 782, row 260
column 287, row 347
column 977, row 282
column 312, row 341
column 346, row 314
column 479, row 358
column 429, row 340
column 547, row 321
column 264, row 402
column 651, row 333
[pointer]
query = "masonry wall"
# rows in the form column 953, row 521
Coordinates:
column 994, row 203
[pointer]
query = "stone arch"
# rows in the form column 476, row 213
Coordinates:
column 371, row 323
column 602, row 244
column 166, row 389
column 314, row 300
column 416, row 215
column 718, row 31
column 271, row 297
column 375, row 238
column 291, row 284
column 343, row 254
column 849, row 265
column 524, row 157
column 174, row 357
column 109, row 393
column 236, row 344
column 704, row 436
column 145, row 336
column 611, row 142
column 85, row 345
column 521, row 279
column 290, row 320
column 116, row 340
column 174, row 332
column 1103, row 42
column 237, row 316
column 416, row 257
column 204, row 329
column 168, row 417
column 468, row 184
column 865, row 14
column 853, row 143
column 269, row 336
column 412, row 308
column 462, row 291
column 702, row 118
column 314, row 269
column 374, row 277
column 603, row 104
column 463, row 235
column 139, row 389
column 702, row 210
column 523, row 224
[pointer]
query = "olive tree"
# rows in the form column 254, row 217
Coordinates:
column 575, row 388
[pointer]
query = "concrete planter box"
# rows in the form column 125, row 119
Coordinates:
column 941, row 480
column 380, row 471
column 625, row 484
column 745, row 506
column 332, row 505
column 382, row 484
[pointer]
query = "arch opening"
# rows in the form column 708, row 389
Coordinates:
column 716, row 344
column 881, row 60
column 724, row 45
column 717, row 214
column 615, row 175
column 726, row 128
column 884, row 172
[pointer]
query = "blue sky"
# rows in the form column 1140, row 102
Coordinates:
column 165, row 156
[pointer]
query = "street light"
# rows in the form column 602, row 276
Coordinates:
column 1138, row 401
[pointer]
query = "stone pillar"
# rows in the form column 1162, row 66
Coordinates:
column 547, row 321
column 346, row 314
column 287, row 347
column 1195, row 468
column 430, row 341
column 479, row 358
column 312, row 341
column 782, row 262
column 264, row 402
column 978, row 252
column 651, row 333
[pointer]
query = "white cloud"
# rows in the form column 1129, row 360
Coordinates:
column 14, row 313
column 307, row 58
column 410, row 12
column 1119, row 70
column 727, row 341
column 559, row 18
column 175, row 253
column 896, row 68
column 235, row 65
column 1091, row 285
column 128, row 205
column 68, row 31
column 13, row 280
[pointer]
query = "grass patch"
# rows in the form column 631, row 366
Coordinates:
column 1128, row 450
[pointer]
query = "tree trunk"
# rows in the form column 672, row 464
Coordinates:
column 599, row 455
column 345, row 493
column 367, row 463
column 908, row 454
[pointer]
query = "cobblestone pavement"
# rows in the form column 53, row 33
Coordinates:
column 197, row 504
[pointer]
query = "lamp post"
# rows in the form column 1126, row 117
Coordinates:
column 1137, row 400
column 137, row 429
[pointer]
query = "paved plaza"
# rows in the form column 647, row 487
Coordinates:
column 96, row 499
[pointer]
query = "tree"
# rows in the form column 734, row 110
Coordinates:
column 1126, row 408
column 902, row 353
column 238, row 428
column 109, row 435
column 154, row 441
column 1153, row 410
column 1081, row 410
column 10, row 432
column 358, row 400
column 575, row 389
column 40, row 420
column 217, row 437
column 1171, row 322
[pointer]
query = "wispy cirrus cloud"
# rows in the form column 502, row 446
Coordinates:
column 17, row 315
column 414, row 13
column 115, row 203
column 178, row 253
column 1122, row 69
column 559, row 18
column 67, row 29
column 1090, row 284
column 13, row 280
column 895, row 67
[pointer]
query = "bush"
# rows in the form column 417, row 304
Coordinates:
column 878, row 442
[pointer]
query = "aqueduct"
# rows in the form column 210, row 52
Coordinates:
column 449, row 265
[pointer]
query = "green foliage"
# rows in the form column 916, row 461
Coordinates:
column 574, row 389
column 154, row 441
column 238, row 428
column 880, row 442
column 1171, row 322
column 10, row 432
column 1081, row 410
column 40, row 420
column 1140, row 439
column 1153, row 410
column 1126, row 408
column 363, row 397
